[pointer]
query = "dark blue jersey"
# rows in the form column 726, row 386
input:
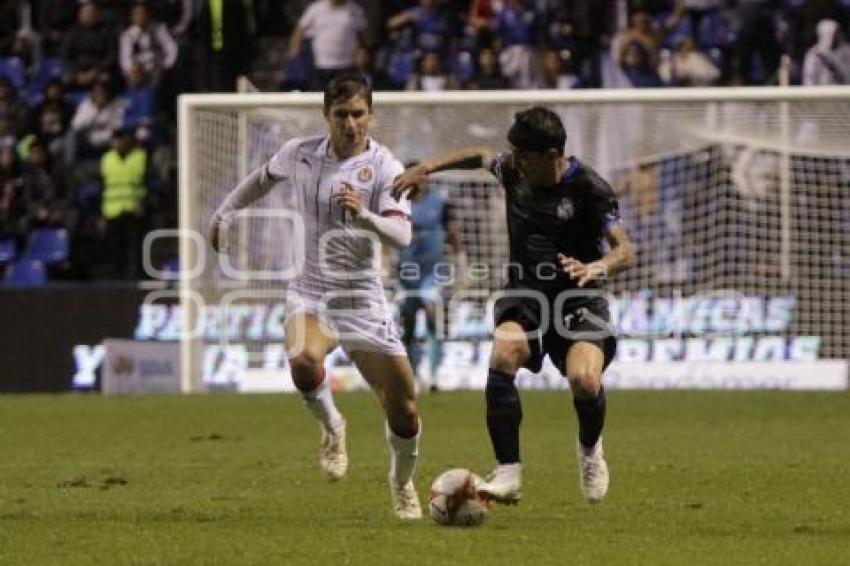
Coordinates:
column 570, row 217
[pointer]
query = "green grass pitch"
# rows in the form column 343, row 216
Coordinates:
column 697, row 478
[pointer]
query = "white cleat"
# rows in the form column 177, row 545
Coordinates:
column 333, row 457
column 593, row 471
column 405, row 501
column 504, row 485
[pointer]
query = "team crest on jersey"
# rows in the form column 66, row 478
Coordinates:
column 364, row 175
column 565, row 209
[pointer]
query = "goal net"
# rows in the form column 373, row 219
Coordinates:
column 738, row 201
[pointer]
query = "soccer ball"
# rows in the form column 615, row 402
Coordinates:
column 454, row 501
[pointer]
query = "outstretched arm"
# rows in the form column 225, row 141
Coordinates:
column 252, row 188
column 465, row 158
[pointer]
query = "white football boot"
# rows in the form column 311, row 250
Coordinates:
column 504, row 485
column 333, row 457
column 593, row 471
column 405, row 501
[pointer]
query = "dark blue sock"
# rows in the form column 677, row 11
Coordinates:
column 591, row 418
column 504, row 415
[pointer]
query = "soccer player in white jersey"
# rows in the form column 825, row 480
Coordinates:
column 341, row 183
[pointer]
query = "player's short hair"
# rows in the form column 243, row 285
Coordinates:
column 537, row 129
column 347, row 85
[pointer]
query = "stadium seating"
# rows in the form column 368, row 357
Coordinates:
column 26, row 273
column 49, row 68
column 48, row 245
column 13, row 69
column 8, row 250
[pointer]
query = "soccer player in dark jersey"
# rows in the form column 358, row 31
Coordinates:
column 565, row 239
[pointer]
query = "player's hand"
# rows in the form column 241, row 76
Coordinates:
column 413, row 179
column 584, row 272
column 349, row 199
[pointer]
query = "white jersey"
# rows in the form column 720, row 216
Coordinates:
column 338, row 256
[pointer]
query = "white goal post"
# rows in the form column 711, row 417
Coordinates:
column 738, row 198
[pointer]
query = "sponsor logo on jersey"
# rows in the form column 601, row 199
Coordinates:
column 364, row 175
column 565, row 209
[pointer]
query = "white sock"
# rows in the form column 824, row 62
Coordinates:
column 403, row 455
column 320, row 401
column 513, row 470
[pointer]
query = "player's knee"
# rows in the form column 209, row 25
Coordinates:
column 508, row 357
column 307, row 371
column 404, row 419
column 584, row 382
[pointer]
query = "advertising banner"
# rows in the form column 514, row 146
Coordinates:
column 665, row 341
column 131, row 366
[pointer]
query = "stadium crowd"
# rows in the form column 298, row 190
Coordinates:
column 88, row 88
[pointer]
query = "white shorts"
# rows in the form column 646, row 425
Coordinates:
column 360, row 320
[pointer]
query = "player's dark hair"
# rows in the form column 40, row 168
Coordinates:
column 537, row 129
column 347, row 85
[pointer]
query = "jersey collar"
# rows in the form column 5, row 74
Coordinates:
column 323, row 151
column 572, row 169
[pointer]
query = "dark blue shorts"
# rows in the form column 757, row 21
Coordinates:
column 583, row 321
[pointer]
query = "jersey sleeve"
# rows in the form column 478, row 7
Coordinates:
column 279, row 167
column 499, row 166
column 605, row 203
column 386, row 204
column 502, row 166
column 611, row 214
